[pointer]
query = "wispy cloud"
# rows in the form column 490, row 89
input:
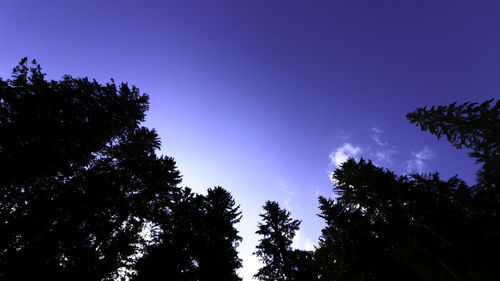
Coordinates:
column 341, row 154
column 376, row 136
column 382, row 153
column 288, row 192
column 343, row 135
column 418, row 161
column 383, row 157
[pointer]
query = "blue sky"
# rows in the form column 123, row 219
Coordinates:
column 265, row 98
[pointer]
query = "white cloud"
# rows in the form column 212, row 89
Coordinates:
column 418, row 161
column 343, row 153
column 382, row 153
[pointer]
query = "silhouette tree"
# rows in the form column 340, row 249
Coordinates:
column 417, row 227
column 385, row 227
column 172, row 252
column 303, row 266
column 197, row 241
column 80, row 177
column 475, row 127
column 275, row 248
column 472, row 126
column 218, row 259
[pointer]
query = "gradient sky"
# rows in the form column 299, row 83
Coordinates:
column 265, row 98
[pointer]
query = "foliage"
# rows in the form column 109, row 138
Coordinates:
column 275, row 248
column 219, row 258
column 303, row 266
column 475, row 127
column 417, row 227
column 83, row 194
column 197, row 241
column 385, row 227
column 172, row 249
column 80, row 178
column 470, row 125
column 81, row 186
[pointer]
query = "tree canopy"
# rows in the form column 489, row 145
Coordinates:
column 79, row 176
column 197, row 241
column 470, row 125
column 386, row 227
column 281, row 262
column 84, row 196
column 81, row 183
column 382, row 226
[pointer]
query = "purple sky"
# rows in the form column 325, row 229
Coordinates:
column 265, row 97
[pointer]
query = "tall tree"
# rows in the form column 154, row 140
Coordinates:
column 382, row 226
column 80, row 177
column 385, row 227
column 218, row 258
column 197, row 241
column 475, row 127
column 275, row 248
column 172, row 252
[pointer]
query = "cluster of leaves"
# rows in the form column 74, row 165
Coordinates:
column 81, row 183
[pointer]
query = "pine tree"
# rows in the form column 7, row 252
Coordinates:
column 79, row 177
column 381, row 226
column 197, row 241
column 275, row 248
column 218, row 259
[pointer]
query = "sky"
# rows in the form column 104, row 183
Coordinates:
column 267, row 98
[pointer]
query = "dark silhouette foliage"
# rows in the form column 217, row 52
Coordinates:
column 385, row 227
column 84, row 196
column 281, row 262
column 196, row 242
column 219, row 259
column 470, row 125
column 303, row 266
column 475, row 127
column 80, row 178
column 417, row 227
column 171, row 255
